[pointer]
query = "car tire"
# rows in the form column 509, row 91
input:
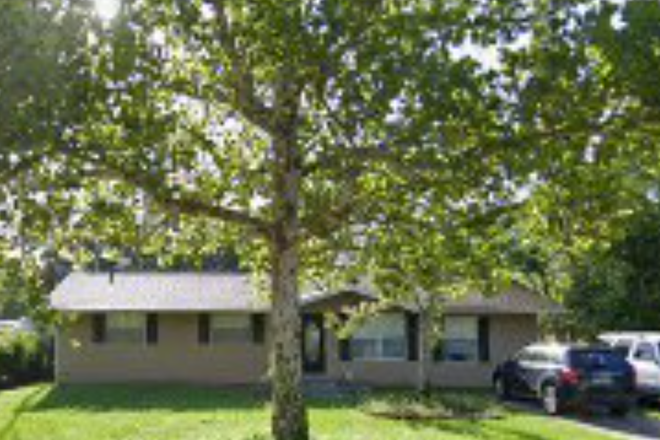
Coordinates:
column 502, row 390
column 550, row 399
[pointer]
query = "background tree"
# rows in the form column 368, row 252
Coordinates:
column 618, row 288
column 587, row 121
column 41, row 66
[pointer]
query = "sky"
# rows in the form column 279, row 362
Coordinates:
column 487, row 56
column 107, row 9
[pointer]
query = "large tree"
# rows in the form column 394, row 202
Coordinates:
column 280, row 125
column 300, row 132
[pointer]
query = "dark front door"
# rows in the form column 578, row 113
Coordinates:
column 313, row 344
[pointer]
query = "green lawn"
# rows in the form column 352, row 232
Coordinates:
column 655, row 413
column 46, row 412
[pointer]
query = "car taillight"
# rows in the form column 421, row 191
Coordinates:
column 569, row 376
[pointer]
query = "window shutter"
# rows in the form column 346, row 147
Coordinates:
column 98, row 328
column 484, row 339
column 438, row 351
column 412, row 333
column 258, row 328
column 152, row 328
column 345, row 349
column 204, row 329
column 344, row 343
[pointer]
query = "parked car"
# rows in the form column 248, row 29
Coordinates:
column 17, row 325
column 642, row 351
column 567, row 377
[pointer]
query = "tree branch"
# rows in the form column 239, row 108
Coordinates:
column 243, row 95
column 187, row 203
column 321, row 226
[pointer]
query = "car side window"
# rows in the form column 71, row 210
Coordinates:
column 544, row 357
column 558, row 359
column 522, row 356
column 644, row 352
column 534, row 356
column 528, row 356
column 623, row 347
column 538, row 356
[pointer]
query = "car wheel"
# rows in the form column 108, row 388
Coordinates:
column 550, row 399
column 501, row 389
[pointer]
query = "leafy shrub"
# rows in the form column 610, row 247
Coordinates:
column 441, row 405
column 24, row 358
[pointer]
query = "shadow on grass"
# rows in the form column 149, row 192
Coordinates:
column 635, row 423
column 175, row 398
column 27, row 404
column 108, row 398
column 475, row 429
column 471, row 414
column 139, row 398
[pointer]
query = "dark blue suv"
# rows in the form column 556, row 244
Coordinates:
column 567, row 377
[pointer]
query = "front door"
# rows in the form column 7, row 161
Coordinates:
column 313, row 344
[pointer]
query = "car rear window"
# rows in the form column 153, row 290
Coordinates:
column 596, row 358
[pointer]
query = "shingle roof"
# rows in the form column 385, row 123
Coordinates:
column 146, row 291
column 516, row 300
column 190, row 292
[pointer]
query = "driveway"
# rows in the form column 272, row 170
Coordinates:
column 635, row 426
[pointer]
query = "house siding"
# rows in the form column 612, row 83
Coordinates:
column 179, row 357
column 508, row 334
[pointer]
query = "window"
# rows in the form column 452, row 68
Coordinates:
column 596, row 358
column 460, row 341
column 623, row 346
column 557, row 357
column 231, row 328
column 645, row 352
column 549, row 355
column 381, row 337
column 534, row 356
column 125, row 328
column 522, row 356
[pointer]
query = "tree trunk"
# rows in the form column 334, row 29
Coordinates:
column 289, row 413
column 423, row 383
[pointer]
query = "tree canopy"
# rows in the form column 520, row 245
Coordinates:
column 301, row 133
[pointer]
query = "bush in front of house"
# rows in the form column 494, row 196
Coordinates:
column 438, row 405
column 24, row 358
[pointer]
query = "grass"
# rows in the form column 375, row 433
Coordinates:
column 651, row 408
column 653, row 411
column 47, row 412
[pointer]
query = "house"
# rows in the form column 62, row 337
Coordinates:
column 213, row 328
